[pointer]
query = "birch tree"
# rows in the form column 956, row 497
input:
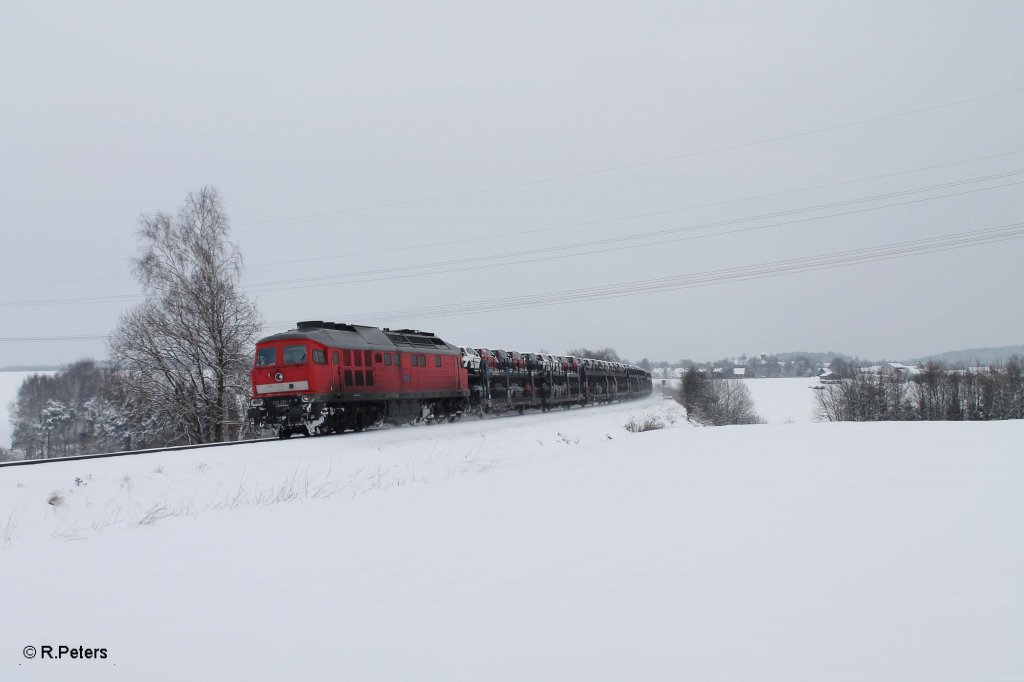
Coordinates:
column 183, row 354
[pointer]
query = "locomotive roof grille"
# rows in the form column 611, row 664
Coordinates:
column 407, row 337
column 416, row 332
column 421, row 341
column 319, row 324
column 399, row 339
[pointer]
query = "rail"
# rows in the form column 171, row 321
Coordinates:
column 124, row 453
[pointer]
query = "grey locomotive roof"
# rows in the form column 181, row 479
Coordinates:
column 336, row 334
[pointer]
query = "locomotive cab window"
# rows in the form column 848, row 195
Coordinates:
column 295, row 355
column 319, row 357
column 266, row 357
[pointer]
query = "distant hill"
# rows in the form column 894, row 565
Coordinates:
column 973, row 356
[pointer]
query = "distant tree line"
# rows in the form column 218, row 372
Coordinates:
column 936, row 393
column 607, row 354
column 777, row 365
column 769, row 366
column 73, row 412
column 177, row 369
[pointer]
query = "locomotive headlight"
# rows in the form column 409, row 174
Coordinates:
column 256, row 402
column 307, row 398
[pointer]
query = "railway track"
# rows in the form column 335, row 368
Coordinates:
column 125, row 453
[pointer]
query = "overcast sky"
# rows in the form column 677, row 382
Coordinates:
column 360, row 137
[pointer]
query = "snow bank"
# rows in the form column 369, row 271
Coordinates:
column 556, row 546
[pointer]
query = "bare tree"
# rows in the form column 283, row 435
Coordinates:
column 717, row 402
column 733, row 403
column 696, row 394
column 183, row 355
column 935, row 393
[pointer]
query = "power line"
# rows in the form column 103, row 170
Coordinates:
column 602, row 221
column 946, row 242
column 524, row 232
column 389, row 273
column 831, row 260
column 646, row 235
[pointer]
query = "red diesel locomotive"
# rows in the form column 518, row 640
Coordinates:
column 326, row 377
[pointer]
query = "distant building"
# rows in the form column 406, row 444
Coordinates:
column 896, row 370
column 768, row 368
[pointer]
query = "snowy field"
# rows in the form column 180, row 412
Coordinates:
column 777, row 401
column 547, row 547
column 784, row 401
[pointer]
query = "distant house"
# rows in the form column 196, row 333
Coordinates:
column 767, row 368
column 739, row 372
column 829, row 377
column 898, row 370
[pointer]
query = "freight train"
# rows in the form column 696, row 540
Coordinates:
column 329, row 377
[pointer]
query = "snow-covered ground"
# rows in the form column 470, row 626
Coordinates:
column 546, row 547
column 784, row 401
column 777, row 401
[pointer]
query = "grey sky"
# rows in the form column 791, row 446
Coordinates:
column 115, row 109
